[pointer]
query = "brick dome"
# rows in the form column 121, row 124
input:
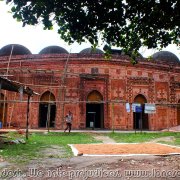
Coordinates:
column 91, row 51
column 17, row 50
column 53, row 50
column 165, row 56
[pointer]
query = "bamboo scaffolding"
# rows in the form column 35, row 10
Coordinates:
column 62, row 90
column 49, row 109
column 5, row 93
column 12, row 110
column 73, row 101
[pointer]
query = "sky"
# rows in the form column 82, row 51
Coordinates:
column 35, row 38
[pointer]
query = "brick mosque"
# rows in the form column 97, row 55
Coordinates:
column 94, row 88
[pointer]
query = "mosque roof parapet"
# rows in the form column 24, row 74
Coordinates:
column 163, row 60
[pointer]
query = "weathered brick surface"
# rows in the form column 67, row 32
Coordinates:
column 117, row 79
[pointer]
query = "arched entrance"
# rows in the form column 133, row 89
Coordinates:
column 47, row 110
column 95, row 110
column 140, row 118
column 3, row 110
column 178, row 113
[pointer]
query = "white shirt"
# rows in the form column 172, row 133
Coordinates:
column 69, row 118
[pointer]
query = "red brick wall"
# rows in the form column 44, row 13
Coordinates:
column 117, row 80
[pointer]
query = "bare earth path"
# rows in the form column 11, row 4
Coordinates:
column 104, row 139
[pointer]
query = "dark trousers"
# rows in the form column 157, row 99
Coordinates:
column 68, row 126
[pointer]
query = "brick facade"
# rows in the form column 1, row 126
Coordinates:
column 116, row 80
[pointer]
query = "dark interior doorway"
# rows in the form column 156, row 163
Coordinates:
column 94, row 113
column 47, row 110
column 140, row 118
column 43, row 115
column 95, row 110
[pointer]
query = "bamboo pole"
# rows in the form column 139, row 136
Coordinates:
column 5, row 93
column 27, row 120
column 62, row 91
column 12, row 110
column 49, row 109
column 113, row 117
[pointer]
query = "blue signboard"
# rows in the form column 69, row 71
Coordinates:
column 134, row 105
column 138, row 109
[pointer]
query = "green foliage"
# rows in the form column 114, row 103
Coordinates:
column 23, row 153
column 128, row 24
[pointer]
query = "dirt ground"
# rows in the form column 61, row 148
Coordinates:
column 83, row 167
column 110, row 168
column 173, row 129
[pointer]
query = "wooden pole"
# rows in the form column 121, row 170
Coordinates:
column 135, row 121
column 113, row 117
column 62, row 91
column 27, row 121
column 4, row 103
column 49, row 106
column 48, row 116
column 141, row 121
column 12, row 110
column 168, row 109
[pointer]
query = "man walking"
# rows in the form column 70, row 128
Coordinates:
column 68, row 118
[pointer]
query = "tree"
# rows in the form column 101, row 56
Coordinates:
column 128, row 24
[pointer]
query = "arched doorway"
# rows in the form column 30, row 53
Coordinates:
column 95, row 110
column 178, row 113
column 140, row 119
column 3, row 110
column 47, row 110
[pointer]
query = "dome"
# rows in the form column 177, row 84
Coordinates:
column 91, row 51
column 53, row 50
column 165, row 56
column 17, row 50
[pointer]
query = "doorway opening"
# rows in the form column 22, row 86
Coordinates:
column 140, row 119
column 47, row 110
column 94, row 110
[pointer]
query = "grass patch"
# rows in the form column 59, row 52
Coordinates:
column 177, row 141
column 23, row 153
column 143, row 137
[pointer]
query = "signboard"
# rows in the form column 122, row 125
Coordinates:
column 138, row 109
column 128, row 109
column 134, row 105
column 91, row 124
column 150, row 108
column 92, row 112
